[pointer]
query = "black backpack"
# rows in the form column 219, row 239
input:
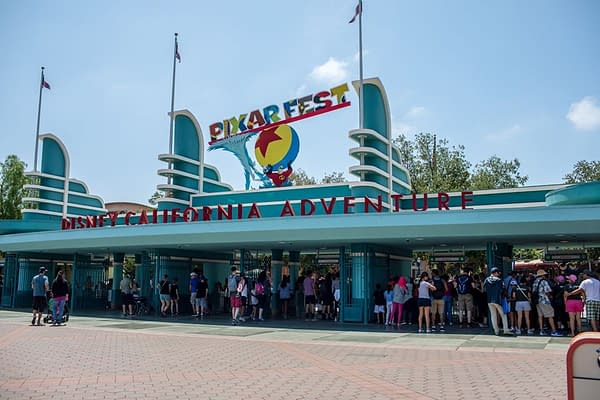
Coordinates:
column 535, row 292
column 438, row 293
column 463, row 284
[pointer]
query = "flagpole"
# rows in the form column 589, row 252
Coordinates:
column 172, row 103
column 360, row 56
column 37, row 131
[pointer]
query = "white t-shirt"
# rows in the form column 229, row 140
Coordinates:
column 424, row 290
column 591, row 287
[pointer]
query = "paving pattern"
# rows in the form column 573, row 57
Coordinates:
column 102, row 358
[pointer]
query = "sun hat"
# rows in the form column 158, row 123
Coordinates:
column 541, row 272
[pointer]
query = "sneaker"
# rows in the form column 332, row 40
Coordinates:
column 420, row 331
column 542, row 333
column 556, row 334
column 428, row 331
column 403, row 323
column 432, row 329
column 442, row 328
column 33, row 321
column 262, row 319
column 513, row 330
column 243, row 319
column 518, row 331
column 233, row 322
column 530, row 332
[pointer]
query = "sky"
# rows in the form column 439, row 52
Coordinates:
column 508, row 78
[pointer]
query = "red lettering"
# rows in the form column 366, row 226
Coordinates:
column 80, row 223
column 221, row 213
column 465, row 199
column 322, row 99
column 443, row 199
column 396, row 198
column 348, row 203
column 73, row 221
column 206, row 213
column 128, row 217
column 303, row 204
column 253, row 213
column 143, row 219
column 377, row 207
column 65, row 224
column 91, row 221
column 328, row 209
column 174, row 214
column 113, row 217
column 155, row 216
column 194, row 214
column 240, row 209
column 165, row 216
column 287, row 209
column 101, row 221
column 414, row 201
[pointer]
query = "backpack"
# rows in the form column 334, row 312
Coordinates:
column 232, row 282
column 463, row 284
column 438, row 293
column 535, row 293
column 259, row 289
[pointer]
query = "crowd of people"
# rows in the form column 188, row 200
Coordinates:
column 518, row 304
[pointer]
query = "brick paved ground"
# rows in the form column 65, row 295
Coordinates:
column 100, row 358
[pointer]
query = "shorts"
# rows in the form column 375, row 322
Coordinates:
column 545, row 310
column 40, row 303
column 424, row 302
column 437, row 306
column 165, row 297
column 592, row 309
column 201, row 302
column 193, row 297
column 574, row 306
column 522, row 306
column 379, row 309
column 465, row 302
column 310, row 299
column 236, row 301
column 126, row 299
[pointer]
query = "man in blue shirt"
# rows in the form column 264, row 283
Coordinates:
column 40, row 286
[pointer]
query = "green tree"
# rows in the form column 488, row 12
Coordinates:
column 300, row 178
column 584, row 171
column 159, row 194
column 434, row 165
column 12, row 179
column 495, row 173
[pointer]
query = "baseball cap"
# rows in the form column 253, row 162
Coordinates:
column 572, row 278
column 42, row 269
column 495, row 269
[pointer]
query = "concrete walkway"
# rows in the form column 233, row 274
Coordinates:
column 96, row 358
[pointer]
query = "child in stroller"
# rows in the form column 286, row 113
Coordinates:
column 49, row 319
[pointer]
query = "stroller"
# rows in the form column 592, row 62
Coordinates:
column 49, row 318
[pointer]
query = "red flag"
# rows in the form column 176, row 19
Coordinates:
column 357, row 12
column 177, row 56
column 45, row 84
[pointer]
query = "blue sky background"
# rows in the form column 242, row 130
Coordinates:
column 511, row 78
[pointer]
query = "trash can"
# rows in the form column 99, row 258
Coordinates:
column 583, row 367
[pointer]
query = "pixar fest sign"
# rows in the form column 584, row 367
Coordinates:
column 277, row 144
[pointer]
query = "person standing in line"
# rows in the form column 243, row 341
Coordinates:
column 464, row 289
column 573, row 304
column 379, row 304
column 424, row 302
column 202, row 297
column 193, row 288
column 309, row 296
column 234, row 301
column 40, row 287
column 165, row 295
column 493, row 288
column 126, row 287
column 285, row 294
column 448, row 298
column 389, row 304
column 522, row 300
column 174, row 294
column 542, row 289
column 60, row 294
column 335, row 289
column 590, row 287
column 242, row 289
column 437, row 306
column 260, row 288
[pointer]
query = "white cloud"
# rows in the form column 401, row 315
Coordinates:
column 402, row 128
column 331, row 72
column 416, row 112
column 356, row 57
column 585, row 114
column 506, row 134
